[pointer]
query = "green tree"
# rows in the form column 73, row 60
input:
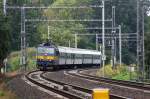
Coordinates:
column 147, row 40
column 4, row 36
column 63, row 32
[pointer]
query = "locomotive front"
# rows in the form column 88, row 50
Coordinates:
column 46, row 57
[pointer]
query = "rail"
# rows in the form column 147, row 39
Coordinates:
column 61, row 92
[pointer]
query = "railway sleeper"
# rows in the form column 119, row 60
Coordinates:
column 67, row 87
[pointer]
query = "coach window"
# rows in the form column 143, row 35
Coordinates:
column 79, row 56
column 68, row 55
column 85, row 56
column 76, row 56
column 71, row 55
column 63, row 55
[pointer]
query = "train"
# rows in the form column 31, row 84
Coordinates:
column 50, row 56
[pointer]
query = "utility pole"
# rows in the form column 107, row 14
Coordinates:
column 48, row 33
column 103, row 36
column 69, row 43
column 120, row 46
column 76, row 42
column 138, row 37
column 96, row 41
column 23, row 59
column 5, row 65
column 4, row 7
column 140, row 40
column 143, row 42
column 100, row 49
column 113, row 38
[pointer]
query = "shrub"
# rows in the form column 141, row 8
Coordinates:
column 120, row 73
column 1, row 93
column 14, row 59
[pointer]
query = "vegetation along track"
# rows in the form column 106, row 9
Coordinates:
column 138, row 85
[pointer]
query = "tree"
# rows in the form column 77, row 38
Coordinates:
column 63, row 32
column 4, row 37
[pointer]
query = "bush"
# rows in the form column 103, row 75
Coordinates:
column 108, row 71
column 14, row 59
column 120, row 73
column 1, row 93
column 14, row 63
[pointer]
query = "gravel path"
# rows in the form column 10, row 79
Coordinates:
column 92, row 72
column 25, row 91
column 60, row 76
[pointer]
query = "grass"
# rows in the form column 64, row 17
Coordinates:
column 14, row 59
column 5, row 93
column 120, row 73
column 1, row 94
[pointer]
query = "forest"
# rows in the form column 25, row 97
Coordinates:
column 62, row 33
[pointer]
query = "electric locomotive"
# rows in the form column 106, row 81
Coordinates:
column 47, row 56
column 50, row 56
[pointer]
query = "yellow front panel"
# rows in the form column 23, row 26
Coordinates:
column 47, row 57
column 51, row 57
column 100, row 94
column 40, row 57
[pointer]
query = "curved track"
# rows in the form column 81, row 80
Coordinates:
column 34, row 77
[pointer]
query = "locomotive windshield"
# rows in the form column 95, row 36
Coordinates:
column 45, row 50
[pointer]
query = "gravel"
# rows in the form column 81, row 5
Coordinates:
column 60, row 76
column 92, row 72
column 25, row 91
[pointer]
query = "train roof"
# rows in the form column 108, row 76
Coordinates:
column 78, row 51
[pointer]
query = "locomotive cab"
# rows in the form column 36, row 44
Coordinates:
column 47, row 56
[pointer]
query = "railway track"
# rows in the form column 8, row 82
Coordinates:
column 134, row 90
column 32, row 77
column 66, row 90
column 85, row 90
column 137, row 85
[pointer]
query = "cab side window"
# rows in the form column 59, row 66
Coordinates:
column 57, row 53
